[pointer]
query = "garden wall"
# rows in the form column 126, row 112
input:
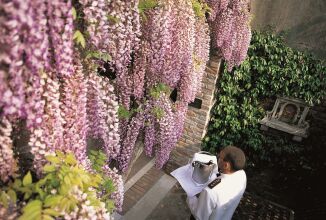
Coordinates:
column 302, row 21
column 197, row 119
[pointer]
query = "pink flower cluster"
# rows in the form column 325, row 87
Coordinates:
column 129, row 141
column 85, row 209
column 49, row 135
column 18, row 63
column 124, row 30
column 166, row 135
column 102, row 117
column 74, row 100
column 200, row 56
column 118, row 194
column 97, row 22
column 27, row 28
column 63, row 126
column 60, row 23
column 172, row 53
column 7, row 162
column 230, row 29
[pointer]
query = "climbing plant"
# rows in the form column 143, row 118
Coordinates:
column 272, row 69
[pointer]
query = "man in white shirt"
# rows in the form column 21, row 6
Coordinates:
column 219, row 200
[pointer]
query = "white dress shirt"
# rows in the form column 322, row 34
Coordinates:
column 220, row 202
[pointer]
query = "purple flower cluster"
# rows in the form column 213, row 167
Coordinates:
column 171, row 53
column 200, row 56
column 102, row 108
column 27, row 28
column 48, row 137
column 7, row 162
column 18, row 64
column 150, row 133
column 166, row 135
column 97, row 22
column 128, row 143
column 60, row 23
column 85, row 209
column 137, row 79
column 111, row 118
column 216, row 7
column 74, row 100
column 118, row 194
column 230, row 29
column 124, row 32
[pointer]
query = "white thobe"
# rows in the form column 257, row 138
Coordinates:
column 220, row 202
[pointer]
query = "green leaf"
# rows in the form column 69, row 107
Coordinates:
column 93, row 54
column 123, row 113
column 27, row 195
column 106, row 57
column 52, row 159
column 113, row 19
column 17, row 183
column 4, row 199
column 47, row 217
column 12, row 194
column 79, row 38
column 51, row 212
column 27, row 179
column 49, row 168
column 147, row 5
column 32, row 211
column 60, row 154
column 70, row 159
column 53, row 200
column 74, row 13
column 64, row 189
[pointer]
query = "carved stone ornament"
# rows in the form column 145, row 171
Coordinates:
column 288, row 115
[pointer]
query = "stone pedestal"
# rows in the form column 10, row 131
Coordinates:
column 288, row 115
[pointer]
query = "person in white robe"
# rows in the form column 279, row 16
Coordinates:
column 220, row 201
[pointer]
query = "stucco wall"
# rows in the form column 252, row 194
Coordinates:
column 303, row 22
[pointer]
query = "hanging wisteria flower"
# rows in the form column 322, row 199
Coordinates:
column 74, row 100
column 7, row 161
column 60, row 22
column 149, row 130
column 231, row 30
column 102, row 115
column 48, row 137
column 124, row 31
column 14, row 19
column 111, row 117
column 166, row 135
column 168, row 31
column 200, row 56
column 128, row 143
column 117, row 195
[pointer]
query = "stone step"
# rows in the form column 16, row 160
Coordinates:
column 147, row 204
column 140, row 188
column 143, row 191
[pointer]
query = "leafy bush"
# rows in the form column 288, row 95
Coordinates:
column 270, row 70
column 66, row 191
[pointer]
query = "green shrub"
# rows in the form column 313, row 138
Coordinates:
column 271, row 69
column 65, row 190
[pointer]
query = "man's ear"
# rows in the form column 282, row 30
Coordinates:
column 227, row 166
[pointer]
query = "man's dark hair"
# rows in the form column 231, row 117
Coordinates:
column 235, row 156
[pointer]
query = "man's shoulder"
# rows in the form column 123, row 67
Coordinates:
column 214, row 183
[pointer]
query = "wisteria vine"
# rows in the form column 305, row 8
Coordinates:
column 231, row 34
column 54, row 84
